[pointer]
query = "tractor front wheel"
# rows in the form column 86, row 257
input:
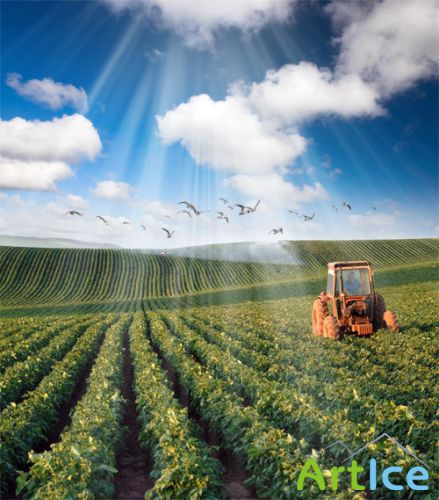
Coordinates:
column 391, row 321
column 331, row 329
column 378, row 314
column 319, row 313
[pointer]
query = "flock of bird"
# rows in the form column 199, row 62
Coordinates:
column 191, row 210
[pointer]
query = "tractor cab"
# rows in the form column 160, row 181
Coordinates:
column 350, row 303
column 353, row 279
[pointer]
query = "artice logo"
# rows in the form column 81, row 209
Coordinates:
column 416, row 477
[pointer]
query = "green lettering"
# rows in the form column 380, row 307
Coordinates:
column 354, row 469
column 315, row 474
column 335, row 471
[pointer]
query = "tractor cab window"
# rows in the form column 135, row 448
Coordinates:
column 330, row 283
column 353, row 282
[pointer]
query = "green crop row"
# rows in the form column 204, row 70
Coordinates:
column 23, row 426
column 182, row 465
column 333, row 401
column 82, row 464
column 275, row 353
column 271, row 455
column 13, row 330
column 23, row 376
column 37, row 339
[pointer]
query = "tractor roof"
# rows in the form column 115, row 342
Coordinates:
column 349, row 264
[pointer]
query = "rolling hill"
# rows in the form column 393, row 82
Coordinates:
column 85, row 280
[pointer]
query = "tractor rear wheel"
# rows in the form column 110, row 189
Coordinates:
column 378, row 312
column 391, row 321
column 331, row 329
column 319, row 313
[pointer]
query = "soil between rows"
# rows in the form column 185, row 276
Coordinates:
column 133, row 465
column 235, row 474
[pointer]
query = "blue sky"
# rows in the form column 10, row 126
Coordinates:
column 338, row 119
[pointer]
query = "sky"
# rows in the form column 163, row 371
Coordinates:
column 124, row 108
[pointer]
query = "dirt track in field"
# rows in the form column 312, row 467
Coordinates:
column 133, row 465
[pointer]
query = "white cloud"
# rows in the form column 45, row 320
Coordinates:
column 227, row 135
column 390, row 44
column 112, row 190
column 66, row 139
column 253, row 130
column 197, row 21
column 275, row 190
column 37, row 175
column 53, row 94
column 298, row 92
column 75, row 201
column 36, row 154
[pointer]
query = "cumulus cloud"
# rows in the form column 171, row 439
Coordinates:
column 197, row 21
column 299, row 92
column 254, row 129
column 66, row 139
column 227, row 135
column 52, row 94
column 112, row 190
column 37, row 175
column 391, row 44
column 275, row 190
column 36, row 154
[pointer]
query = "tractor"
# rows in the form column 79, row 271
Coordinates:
column 350, row 303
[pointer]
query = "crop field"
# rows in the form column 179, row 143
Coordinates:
column 125, row 374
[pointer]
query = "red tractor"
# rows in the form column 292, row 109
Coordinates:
column 350, row 303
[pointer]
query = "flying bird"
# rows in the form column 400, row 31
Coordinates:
column 73, row 212
column 143, row 227
column 188, row 205
column 192, row 207
column 253, row 209
column 185, row 212
column 125, row 222
column 102, row 219
column 230, row 206
column 335, row 208
column 224, row 201
column 221, row 216
column 306, row 218
column 373, row 208
column 275, row 231
column 169, row 233
column 168, row 217
column 242, row 207
column 295, row 212
column 347, row 205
